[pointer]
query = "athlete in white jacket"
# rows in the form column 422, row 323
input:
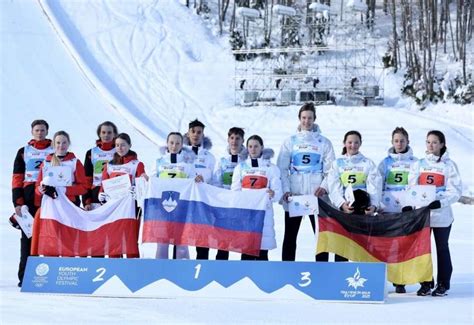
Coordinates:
column 204, row 164
column 354, row 169
column 257, row 172
column 304, row 160
column 174, row 162
column 234, row 153
column 394, row 170
column 226, row 165
column 438, row 170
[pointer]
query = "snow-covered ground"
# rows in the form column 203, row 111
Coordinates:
column 151, row 67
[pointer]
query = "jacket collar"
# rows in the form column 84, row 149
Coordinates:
column 400, row 156
column 68, row 156
column 42, row 144
column 206, row 142
column 106, row 146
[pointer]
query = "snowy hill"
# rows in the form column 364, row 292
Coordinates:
column 151, row 67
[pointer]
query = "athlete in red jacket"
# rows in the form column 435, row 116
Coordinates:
column 61, row 157
column 25, row 173
column 95, row 161
column 125, row 162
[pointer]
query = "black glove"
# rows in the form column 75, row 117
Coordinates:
column 13, row 222
column 407, row 208
column 50, row 191
column 434, row 205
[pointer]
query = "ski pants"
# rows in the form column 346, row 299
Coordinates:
column 445, row 267
column 292, row 226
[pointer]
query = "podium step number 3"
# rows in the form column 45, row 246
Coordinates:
column 351, row 282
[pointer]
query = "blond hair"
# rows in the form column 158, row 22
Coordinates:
column 55, row 161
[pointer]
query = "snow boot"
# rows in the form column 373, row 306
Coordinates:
column 400, row 288
column 425, row 289
column 440, row 291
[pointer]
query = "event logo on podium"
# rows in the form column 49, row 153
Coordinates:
column 201, row 278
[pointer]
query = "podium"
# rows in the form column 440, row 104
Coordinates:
column 252, row 280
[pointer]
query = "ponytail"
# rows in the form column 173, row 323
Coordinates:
column 353, row 132
column 117, row 160
column 55, row 161
column 442, row 139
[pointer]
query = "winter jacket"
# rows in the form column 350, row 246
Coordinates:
column 225, row 168
column 445, row 176
column 304, row 161
column 394, row 170
column 357, row 171
column 26, row 170
column 79, row 182
column 128, row 164
column 94, row 164
column 266, row 175
column 182, row 168
column 205, row 162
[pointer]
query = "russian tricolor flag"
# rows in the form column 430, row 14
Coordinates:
column 183, row 212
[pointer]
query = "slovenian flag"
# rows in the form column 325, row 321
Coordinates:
column 183, row 212
column 64, row 229
column 402, row 240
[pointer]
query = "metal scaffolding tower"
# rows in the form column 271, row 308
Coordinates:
column 334, row 62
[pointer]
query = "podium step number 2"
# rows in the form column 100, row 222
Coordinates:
column 351, row 282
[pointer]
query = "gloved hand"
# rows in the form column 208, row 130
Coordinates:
column 50, row 191
column 13, row 222
column 102, row 197
column 434, row 205
column 407, row 208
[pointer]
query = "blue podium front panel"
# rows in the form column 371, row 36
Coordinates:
column 354, row 282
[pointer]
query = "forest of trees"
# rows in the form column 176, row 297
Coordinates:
column 421, row 31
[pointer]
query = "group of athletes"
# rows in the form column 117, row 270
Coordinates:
column 306, row 165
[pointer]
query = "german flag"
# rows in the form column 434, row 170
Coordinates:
column 402, row 240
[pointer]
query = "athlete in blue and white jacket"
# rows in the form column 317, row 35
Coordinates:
column 442, row 172
column 353, row 168
column 304, row 161
column 257, row 172
column 439, row 170
column 204, row 163
column 226, row 165
column 174, row 161
column 395, row 168
column 201, row 145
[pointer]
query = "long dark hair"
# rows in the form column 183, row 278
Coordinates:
column 106, row 123
column 117, row 160
column 442, row 139
column 352, row 132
